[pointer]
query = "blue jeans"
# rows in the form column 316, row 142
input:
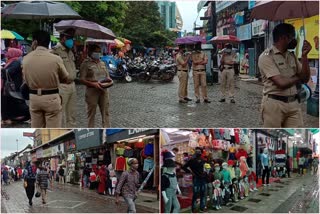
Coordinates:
column 85, row 181
column 131, row 204
column 199, row 187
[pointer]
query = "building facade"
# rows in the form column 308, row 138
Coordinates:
column 170, row 15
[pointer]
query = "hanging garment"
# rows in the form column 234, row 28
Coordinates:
column 119, row 151
column 193, row 139
column 217, row 135
column 148, row 149
column 139, row 145
column 237, row 135
column 128, row 153
column 227, row 135
column 120, row 164
column 148, row 164
column 202, row 140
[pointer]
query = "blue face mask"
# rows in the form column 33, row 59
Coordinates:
column 69, row 43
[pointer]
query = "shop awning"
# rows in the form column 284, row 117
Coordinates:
column 314, row 131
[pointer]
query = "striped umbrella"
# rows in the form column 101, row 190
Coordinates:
column 9, row 34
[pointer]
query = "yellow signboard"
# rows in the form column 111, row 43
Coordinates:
column 312, row 35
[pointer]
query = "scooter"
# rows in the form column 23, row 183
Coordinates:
column 120, row 71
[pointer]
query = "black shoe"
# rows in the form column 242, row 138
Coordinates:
column 222, row 100
column 207, row 101
column 30, row 203
column 198, row 101
column 187, row 99
column 183, row 101
column 232, row 101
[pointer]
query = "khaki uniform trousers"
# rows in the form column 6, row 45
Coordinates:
column 183, row 84
column 94, row 98
column 45, row 111
column 44, row 195
column 200, row 80
column 69, row 99
column 278, row 114
column 227, row 83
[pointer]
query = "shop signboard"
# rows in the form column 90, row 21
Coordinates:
column 257, row 27
column 130, row 133
column 311, row 35
column 39, row 153
column 220, row 5
column 244, row 32
column 58, row 149
column 88, row 138
column 47, row 152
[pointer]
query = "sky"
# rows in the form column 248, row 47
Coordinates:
column 9, row 143
column 188, row 10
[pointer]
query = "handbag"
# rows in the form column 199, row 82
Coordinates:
column 10, row 87
column 38, row 194
column 25, row 91
column 25, row 184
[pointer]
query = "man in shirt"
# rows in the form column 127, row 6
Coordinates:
column 281, row 73
column 196, row 167
column 43, row 73
column 301, row 165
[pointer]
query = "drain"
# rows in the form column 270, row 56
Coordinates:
column 265, row 194
column 254, row 200
column 148, row 201
column 239, row 208
column 275, row 190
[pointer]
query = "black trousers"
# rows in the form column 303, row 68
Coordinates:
column 30, row 188
column 288, row 172
column 264, row 173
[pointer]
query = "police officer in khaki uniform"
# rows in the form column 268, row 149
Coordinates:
column 43, row 72
column 68, row 90
column 92, row 70
column 227, row 76
column 199, row 61
column 182, row 67
column 281, row 72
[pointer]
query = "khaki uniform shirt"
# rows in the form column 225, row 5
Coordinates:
column 92, row 71
column 180, row 60
column 43, row 70
column 68, row 59
column 229, row 58
column 272, row 63
column 198, row 56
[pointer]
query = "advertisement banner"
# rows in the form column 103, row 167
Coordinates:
column 244, row 32
column 39, row 153
column 47, row 153
column 258, row 27
column 311, row 35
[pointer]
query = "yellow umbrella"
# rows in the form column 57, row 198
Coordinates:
column 119, row 44
column 8, row 34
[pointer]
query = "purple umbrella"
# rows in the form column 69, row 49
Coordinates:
column 189, row 40
column 86, row 28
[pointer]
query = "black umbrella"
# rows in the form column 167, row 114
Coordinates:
column 38, row 10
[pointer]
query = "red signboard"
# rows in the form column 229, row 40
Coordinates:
column 28, row 134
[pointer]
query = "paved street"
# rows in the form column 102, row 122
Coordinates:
column 69, row 199
column 155, row 104
column 296, row 195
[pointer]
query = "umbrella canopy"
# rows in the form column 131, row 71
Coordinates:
column 109, row 41
column 280, row 10
column 86, row 28
column 38, row 10
column 124, row 40
column 225, row 39
column 118, row 43
column 8, row 34
column 189, row 40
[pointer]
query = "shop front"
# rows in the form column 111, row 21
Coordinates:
column 142, row 144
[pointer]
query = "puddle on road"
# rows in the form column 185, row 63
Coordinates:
column 265, row 194
column 190, row 114
column 239, row 208
column 254, row 200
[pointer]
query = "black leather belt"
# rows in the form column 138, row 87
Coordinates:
column 228, row 67
column 200, row 70
column 286, row 99
column 183, row 70
column 44, row 92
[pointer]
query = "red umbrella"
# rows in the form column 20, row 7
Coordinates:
column 225, row 39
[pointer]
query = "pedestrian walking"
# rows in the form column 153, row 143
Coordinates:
column 182, row 67
column 315, row 164
column 43, row 72
column 42, row 182
column 93, row 70
column 301, row 164
column 196, row 166
column 86, row 176
column 30, row 180
column 128, row 185
column 199, row 61
column 288, row 166
column 5, row 175
column 61, row 175
column 67, row 90
column 228, row 61
column 281, row 72
column 102, row 180
column 245, row 63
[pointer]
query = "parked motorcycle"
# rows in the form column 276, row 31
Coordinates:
column 157, row 71
column 119, row 71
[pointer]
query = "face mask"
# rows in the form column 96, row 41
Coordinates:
column 69, row 43
column 95, row 55
column 292, row 44
column 228, row 51
column 217, row 169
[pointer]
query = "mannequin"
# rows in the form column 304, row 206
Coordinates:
column 252, row 180
column 265, row 166
column 243, row 166
column 234, row 190
column 246, row 186
column 232, row 152
column 217, row 174
column 241, row 188
column 225, row 173
column 170, row 187
column 226, row 193
column 209, row 175
column 237, row 171
column 112, row 180
column 231, row 169
column 217, row 194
